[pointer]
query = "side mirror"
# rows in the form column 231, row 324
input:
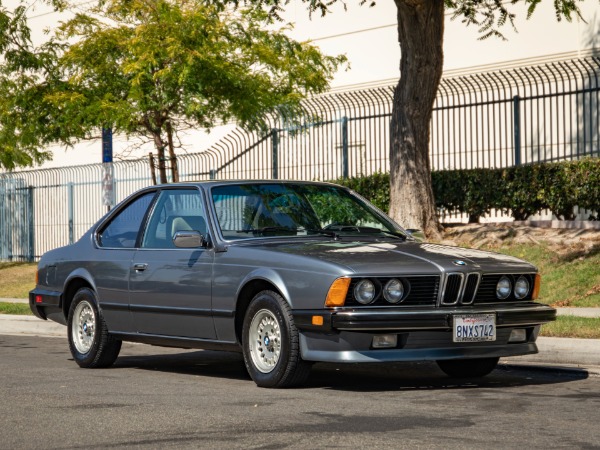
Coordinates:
column 417, row 234
column 189, row 239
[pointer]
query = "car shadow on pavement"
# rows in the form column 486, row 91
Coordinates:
column 423, row 375
column 426, row 375
column 207, row 363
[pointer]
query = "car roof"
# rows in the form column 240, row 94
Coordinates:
column 212, row 183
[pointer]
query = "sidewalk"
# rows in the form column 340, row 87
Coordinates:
column 578, row 353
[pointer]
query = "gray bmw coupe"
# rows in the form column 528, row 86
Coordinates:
column 288, row 273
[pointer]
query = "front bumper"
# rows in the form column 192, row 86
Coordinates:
column 347, row 334
column 397, row 319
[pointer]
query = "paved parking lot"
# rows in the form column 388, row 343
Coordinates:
column 166, row 398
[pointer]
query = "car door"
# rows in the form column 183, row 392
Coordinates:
column 111, row 263
column 170, row 287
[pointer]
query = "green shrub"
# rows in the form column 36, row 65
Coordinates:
column 474, row 192
column 585, row 178
column 557, row 190
column 375, row 188
column 521, row 191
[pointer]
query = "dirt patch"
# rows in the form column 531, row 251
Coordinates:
column 572, row 242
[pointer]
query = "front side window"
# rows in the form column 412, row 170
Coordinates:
column 261, row 210
column 123, row 229
column 175, row 210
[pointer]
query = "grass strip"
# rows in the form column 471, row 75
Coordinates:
column 16, row 279
column 20, row 309
column 573, row 327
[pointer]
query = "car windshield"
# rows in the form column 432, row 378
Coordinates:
column 264, row 210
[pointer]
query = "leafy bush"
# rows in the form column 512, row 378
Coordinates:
column 522, row 191
column 558, row 189
column 585, row 178
column 474, row 192
column 375, row 188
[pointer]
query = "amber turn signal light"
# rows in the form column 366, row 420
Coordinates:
column 337, row 292
column 536, row 286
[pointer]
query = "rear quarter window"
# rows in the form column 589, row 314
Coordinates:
column 122, row 231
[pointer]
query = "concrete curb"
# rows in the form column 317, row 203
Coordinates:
column 553, row 351
column 562, row 351
column 30, row 326
column 14, row 300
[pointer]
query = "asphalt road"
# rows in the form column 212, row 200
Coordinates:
column 164, row 398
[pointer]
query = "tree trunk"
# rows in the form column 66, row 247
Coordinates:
column 420, row 33
column 152, row 168
column 172, row 156
column 160, row 150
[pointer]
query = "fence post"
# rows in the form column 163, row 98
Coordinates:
column 345, row 147
column 6, row 229
column 517, row 129
column 31, row 251
column 275, row 143
column 70, row 206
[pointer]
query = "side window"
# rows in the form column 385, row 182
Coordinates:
column 175, row 210
column 123, row 229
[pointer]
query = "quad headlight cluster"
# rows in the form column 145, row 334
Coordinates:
column 393, row 291
column 505, row 287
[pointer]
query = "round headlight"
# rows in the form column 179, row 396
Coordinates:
column 503, row 288
column 521, row 288
column 364, row 292
column 393, row 291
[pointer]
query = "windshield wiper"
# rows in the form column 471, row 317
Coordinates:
column 321, row 231
column 328, row 233
column 366, row 230
column 394, row 233
column 267, row 229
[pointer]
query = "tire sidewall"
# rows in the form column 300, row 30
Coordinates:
column 267, row 300
column 85, row 359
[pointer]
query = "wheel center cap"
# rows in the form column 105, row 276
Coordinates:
column 85, row 327
column 267, row 341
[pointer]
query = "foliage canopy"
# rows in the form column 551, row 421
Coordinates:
column 152, row 68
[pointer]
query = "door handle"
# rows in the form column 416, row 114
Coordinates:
column 140, row 267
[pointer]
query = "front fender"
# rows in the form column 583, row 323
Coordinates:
column 270, row 276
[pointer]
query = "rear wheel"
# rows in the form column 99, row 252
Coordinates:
column 271, row 343
column 89, row 340
column 468, row 368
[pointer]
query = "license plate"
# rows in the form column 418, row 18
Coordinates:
column 474, row 327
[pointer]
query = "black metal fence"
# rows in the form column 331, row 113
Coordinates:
column 524, row 115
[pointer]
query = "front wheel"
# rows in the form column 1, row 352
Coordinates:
column 468, row 368
column 89, row 340
column 271, row 344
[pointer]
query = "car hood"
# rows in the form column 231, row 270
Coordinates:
column 389, row 257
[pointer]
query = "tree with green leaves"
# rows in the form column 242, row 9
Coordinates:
column 21, row 68
column 421, row 35
column 152, row 68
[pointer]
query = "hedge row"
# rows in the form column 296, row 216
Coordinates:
column 520, row 191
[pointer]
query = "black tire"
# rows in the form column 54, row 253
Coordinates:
column 91, row 345
column 468, row 368
column 271, row 344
